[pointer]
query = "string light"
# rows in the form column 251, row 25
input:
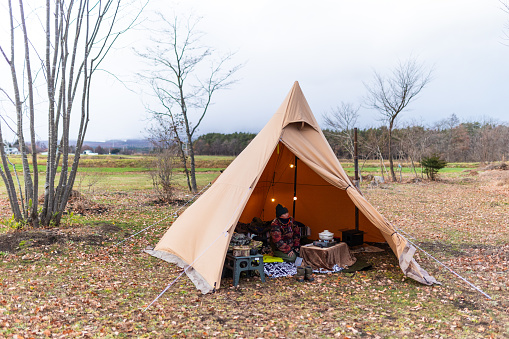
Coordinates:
column 294, row 198
column 273, row 199
column 291, row 165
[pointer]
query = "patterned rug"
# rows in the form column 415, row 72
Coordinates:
column 279, row 269
column 285, row 269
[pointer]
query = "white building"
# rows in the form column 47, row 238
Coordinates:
column 11, row 150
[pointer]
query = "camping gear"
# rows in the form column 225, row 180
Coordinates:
column 301, row 274
column 326, row 235
column 353, row 237
column 241, row 251
column 326, row 258
column 238, row 239
column 335, row 269
column 244, row 264
column 258, row 179
column 259, row 227
column 359, row 265
column 324, row 243
column 309, row 274
column 270, row 258
column 256, row 245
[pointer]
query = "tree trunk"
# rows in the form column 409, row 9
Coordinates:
column 391, row 163
column 413, row 166
column 9, row 183
column 184, row 163
column 194, row 188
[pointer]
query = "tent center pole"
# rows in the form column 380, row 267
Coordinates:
column 295, row 186
column 356, row 180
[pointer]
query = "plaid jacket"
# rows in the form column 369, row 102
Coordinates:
column 284, row 238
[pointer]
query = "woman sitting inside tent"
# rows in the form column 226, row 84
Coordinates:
column 284, row 235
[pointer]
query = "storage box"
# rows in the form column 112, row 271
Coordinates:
column 241, row 251
column 353, row 237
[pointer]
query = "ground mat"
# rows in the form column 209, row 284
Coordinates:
column 360, row 265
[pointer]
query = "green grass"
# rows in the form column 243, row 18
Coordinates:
column 350, row 170
column 201, row 169
column 42, row 169
column 112, row 169
column 126, row 181
column 214, row 158
column 130, row 173
column 130, row 161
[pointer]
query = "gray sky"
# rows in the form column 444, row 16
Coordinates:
column 331, row 48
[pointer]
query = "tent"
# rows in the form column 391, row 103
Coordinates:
column 264, row 175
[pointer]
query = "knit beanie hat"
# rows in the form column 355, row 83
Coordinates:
column 280, row 210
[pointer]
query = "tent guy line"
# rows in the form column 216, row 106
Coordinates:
column 438, row 261
column 224, row 232
column 171, row 215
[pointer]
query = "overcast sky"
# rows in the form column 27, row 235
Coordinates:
column 331, row 48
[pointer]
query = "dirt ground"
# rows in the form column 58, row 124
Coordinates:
column 77, row 281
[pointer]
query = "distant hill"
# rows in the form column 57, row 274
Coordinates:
column 115, row 146
column 117, row 143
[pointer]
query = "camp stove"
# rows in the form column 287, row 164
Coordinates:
column 324, row 243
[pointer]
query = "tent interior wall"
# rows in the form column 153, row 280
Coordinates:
column 319, row 205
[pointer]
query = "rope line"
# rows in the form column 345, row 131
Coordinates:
column 450, row 269
column 157, row 222
column 224, row 231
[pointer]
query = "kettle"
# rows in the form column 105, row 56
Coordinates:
column 326, row 235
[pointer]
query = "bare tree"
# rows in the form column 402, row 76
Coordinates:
column 414, row 141
column 59, row 53
column 181, row 83
column 390, row 95
column 162, row 175
column 487, row 140
column 505, row 8
column 166, row 157
column 342, row 120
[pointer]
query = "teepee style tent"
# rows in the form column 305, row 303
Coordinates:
column 260, row 178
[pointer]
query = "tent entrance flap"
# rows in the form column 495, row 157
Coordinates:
column 319, row 205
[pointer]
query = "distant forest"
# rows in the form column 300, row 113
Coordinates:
column 222, row 144
column 454, row 141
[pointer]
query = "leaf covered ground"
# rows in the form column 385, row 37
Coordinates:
column 74, row 282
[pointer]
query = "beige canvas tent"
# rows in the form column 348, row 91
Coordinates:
column 260, row 178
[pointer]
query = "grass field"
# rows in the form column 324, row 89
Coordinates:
column 100, row 170
column 74, row 282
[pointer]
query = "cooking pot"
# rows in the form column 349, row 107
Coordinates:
column 326, row 235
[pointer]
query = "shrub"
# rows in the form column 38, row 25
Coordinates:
column 432, row 165
column 162, row 175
